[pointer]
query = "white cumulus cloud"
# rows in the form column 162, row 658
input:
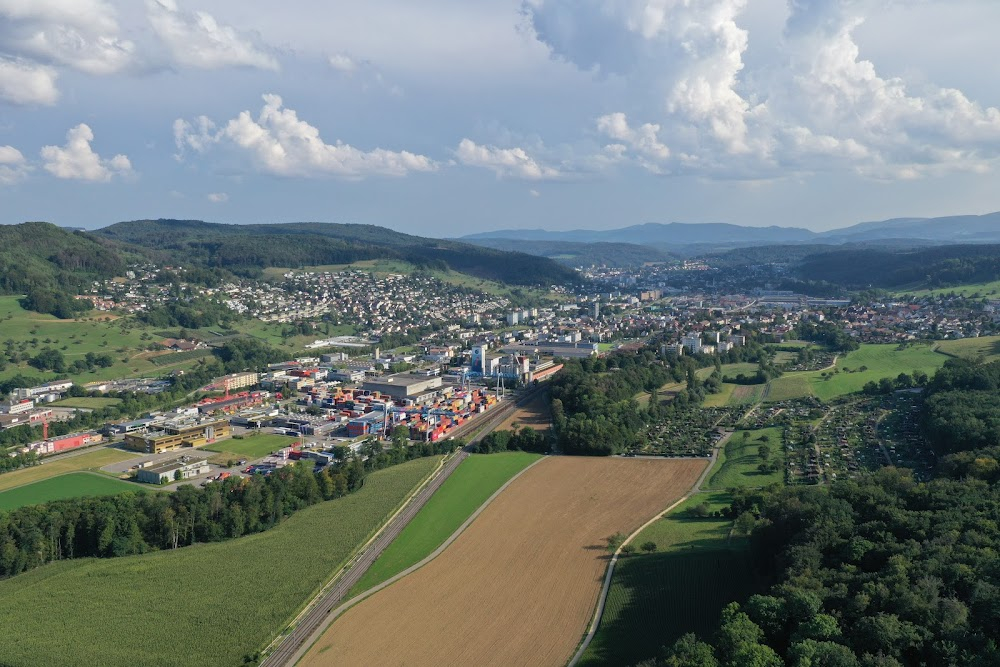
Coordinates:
column 13, row 166
column 505, row 162
column 24, row 82
column 280, row 143
column 218, row 197
column 644, row 140
column 77, row 160
column 198, row 40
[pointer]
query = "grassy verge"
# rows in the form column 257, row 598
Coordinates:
column 211, row 604
column 71, row 485
column 475, row 480
column 657, row 597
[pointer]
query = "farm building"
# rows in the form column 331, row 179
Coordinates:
column 166, row 472
column 176, row 434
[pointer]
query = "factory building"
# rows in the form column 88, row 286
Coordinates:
column 177, row 434
column 405, row 386
column 184, row 467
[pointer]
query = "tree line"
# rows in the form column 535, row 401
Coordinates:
column 140, row 522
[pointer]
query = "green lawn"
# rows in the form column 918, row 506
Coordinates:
column 87, row 402
column 205, row 605
column 738, row 461
column 475, row 480
column 254, row 446
column 72, row 485
column 91, row 459
column 682, row 587
column 987, row 347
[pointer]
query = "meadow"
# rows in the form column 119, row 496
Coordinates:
column 70, row 485
column 210, row 604
column 252, row 446
column 879, row 361
column 123, row 338
column 738, row 460
column 475, row 480
column 87, row 402
column 89, row 460
column 682, row 587
column 987, row 347
column 721, row 399
column 990, row 289
column 747, row 394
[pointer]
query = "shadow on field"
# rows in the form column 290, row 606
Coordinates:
column 656, row 598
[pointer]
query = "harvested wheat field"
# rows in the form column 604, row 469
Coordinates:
column 535, row 413
column 520, row 585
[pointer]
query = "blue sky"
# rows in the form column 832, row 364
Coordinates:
column 447, row 117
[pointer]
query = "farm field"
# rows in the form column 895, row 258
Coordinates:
column 70, row 485
column 519, row 586
column 721, row 399
column 475, row 480
column 535, row 414
column 731, row 370
column 656, row 597
column 235, row 595
column 87, row 402
column 89, row 460
column 738, row 460
column 970, row 348
column 747, row 394
column 253, row 446
column 667, row 392
column 788, row 387
column 990, row 289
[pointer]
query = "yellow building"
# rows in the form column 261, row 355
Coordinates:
column 174, row 435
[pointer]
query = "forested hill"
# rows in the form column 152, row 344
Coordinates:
column 942, row 266
column 581, row 254
column 38, row 255
column 246, row 249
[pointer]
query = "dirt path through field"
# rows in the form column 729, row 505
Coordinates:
column 519, row 586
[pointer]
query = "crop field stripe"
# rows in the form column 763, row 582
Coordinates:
column 69, row 485
column 447, row 513
column 481, row 587
column 416, row 566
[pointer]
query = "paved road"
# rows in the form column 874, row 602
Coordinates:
column 314, row 621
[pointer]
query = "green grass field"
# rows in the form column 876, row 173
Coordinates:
column 89, row 460
column 72, row 485
column 210, row 604
column 990, row 289
column 880, row 361
column 738, row 461
column 475, row 480
column 747, row 394
column 254, row 446
column 87, row 402
column 721, row 399
column 655, row 598
column 987, row 347
column 122, row 338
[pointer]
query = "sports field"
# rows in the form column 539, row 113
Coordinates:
column 205, row 605
column 89, row 460
column 519, row 586
column 987, row 347
column 72, row 485
column 253, row 446
column 475, row 480
column 681, row 587
column 739, row 459
column 87, row 402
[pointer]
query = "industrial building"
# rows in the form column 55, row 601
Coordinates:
column 405, row 386
column 178, row 433
column 167, row 471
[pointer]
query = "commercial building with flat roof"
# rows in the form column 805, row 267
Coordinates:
column 167, row 471
column 177, row 434
column 405, row 386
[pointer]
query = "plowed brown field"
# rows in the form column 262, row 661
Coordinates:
column 519, row 586
column 535, row 413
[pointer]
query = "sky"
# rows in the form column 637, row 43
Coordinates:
column 448, row 117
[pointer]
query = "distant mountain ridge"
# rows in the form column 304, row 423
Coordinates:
column 948, row 229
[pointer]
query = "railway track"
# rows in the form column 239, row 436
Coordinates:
column 314, row 620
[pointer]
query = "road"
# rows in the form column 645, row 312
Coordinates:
column 315, row 619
